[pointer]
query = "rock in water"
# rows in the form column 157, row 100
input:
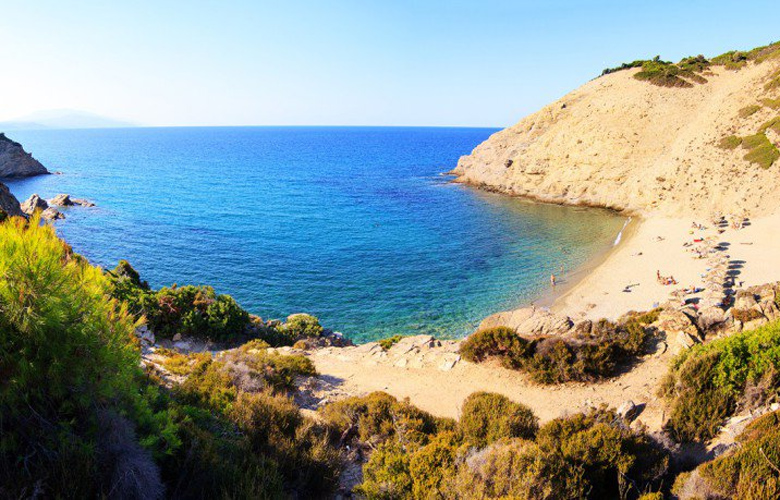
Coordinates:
column 52, row 213
column 16, row 162
column 62, row 200
column 8, row 202
column 34, row 203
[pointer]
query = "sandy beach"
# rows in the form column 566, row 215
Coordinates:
column 622, row 280
column 626, row 279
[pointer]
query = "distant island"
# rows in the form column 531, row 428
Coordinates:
column 62, row 119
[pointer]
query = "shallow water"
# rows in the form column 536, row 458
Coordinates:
column 354, row 225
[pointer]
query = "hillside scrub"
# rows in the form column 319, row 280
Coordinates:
column 706, row 384
column 81, row 419
column 579, row 356
column 749, row 471
column 65, row 422
column 761, row 151
column 589, row 455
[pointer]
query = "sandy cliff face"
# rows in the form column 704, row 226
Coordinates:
column 16, row 162
column 629, row 145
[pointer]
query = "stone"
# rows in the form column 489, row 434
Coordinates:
column 530, row 322
column 16, row 162
column 52, row 213
column 182, row 346
column 177, row 337
column 744, row 300
column 62, row 200
column 710, row 318
column 82, row 202
column 8, row 202
column 145, row 334
column 628, row 410
column 673, row 322
column 449, row 361
column 685, row 340
column 33, row 203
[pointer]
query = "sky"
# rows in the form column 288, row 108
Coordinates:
column 343, row 62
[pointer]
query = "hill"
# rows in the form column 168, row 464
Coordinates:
column 648, row 137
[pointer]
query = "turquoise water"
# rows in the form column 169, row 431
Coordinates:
column 354, row 225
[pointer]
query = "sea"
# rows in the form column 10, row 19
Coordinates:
column 359, row 226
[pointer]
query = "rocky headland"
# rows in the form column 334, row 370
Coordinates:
column 624, row 143
column 16, row 162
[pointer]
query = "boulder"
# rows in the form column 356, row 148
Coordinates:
column 52, row 213
column 628, row 410
column 711, row 318
column 62, row 200
column 33, row 203
column 145, row 334
column 16, row 162
column 673, row 322
column 530, row 322
column 82, row 202
column 744, row 300
column 8, row 202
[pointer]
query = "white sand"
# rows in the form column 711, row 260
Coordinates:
column 641, row 253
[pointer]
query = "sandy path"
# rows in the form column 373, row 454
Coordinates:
column 442, row 392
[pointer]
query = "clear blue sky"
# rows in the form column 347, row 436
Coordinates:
column 337, row 62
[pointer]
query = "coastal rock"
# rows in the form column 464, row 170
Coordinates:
column 8, row 202
column 62, row 200
column 711, row 318
column 145, row 334
column 82, row 202
column 530, row 322
column 33, row 203
column 52, row 213
column 674, row 322
column 16, row 162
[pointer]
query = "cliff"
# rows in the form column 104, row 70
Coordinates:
column 8, row 202
column 657, row 138
column 16, row 162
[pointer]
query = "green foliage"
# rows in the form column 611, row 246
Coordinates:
column 761, row 151
column 386, row 474
column 664, row 74
column 189, row 310
column 69, row 375
column 379, row 417
column 773, row 124
column 751, row 470
column 389, row 342
column 579, row 356
column 302, row 326
column 771, row 103
column 749, row 110
column 499, row 342
column 730, row 142
column 634, row 64
column 431, row 466
column 487, row 417
column 705, row 383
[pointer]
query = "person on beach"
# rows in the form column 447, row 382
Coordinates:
column 552, row 279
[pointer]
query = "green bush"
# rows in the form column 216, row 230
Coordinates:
column 747, row 472
column 761, row 151
column 773, row 124
column 433, row 465
column 379, row 417
column 730, row 142
column 389, row 342
column 487, row 417
column 580, row 356
column 749, row 110
column 705, row 383
column 664, row 74
column 386, row 474
column 70, row 383
column 771, row 103
column 499, row 342
column 302, row 326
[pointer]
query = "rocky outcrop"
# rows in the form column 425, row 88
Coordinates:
column 529, row 322
column 16, row 162
column 64, row 200
column 622, row 143
column 8, row 202
column 33, row 203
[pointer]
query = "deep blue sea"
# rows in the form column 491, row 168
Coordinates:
column 354, row 225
